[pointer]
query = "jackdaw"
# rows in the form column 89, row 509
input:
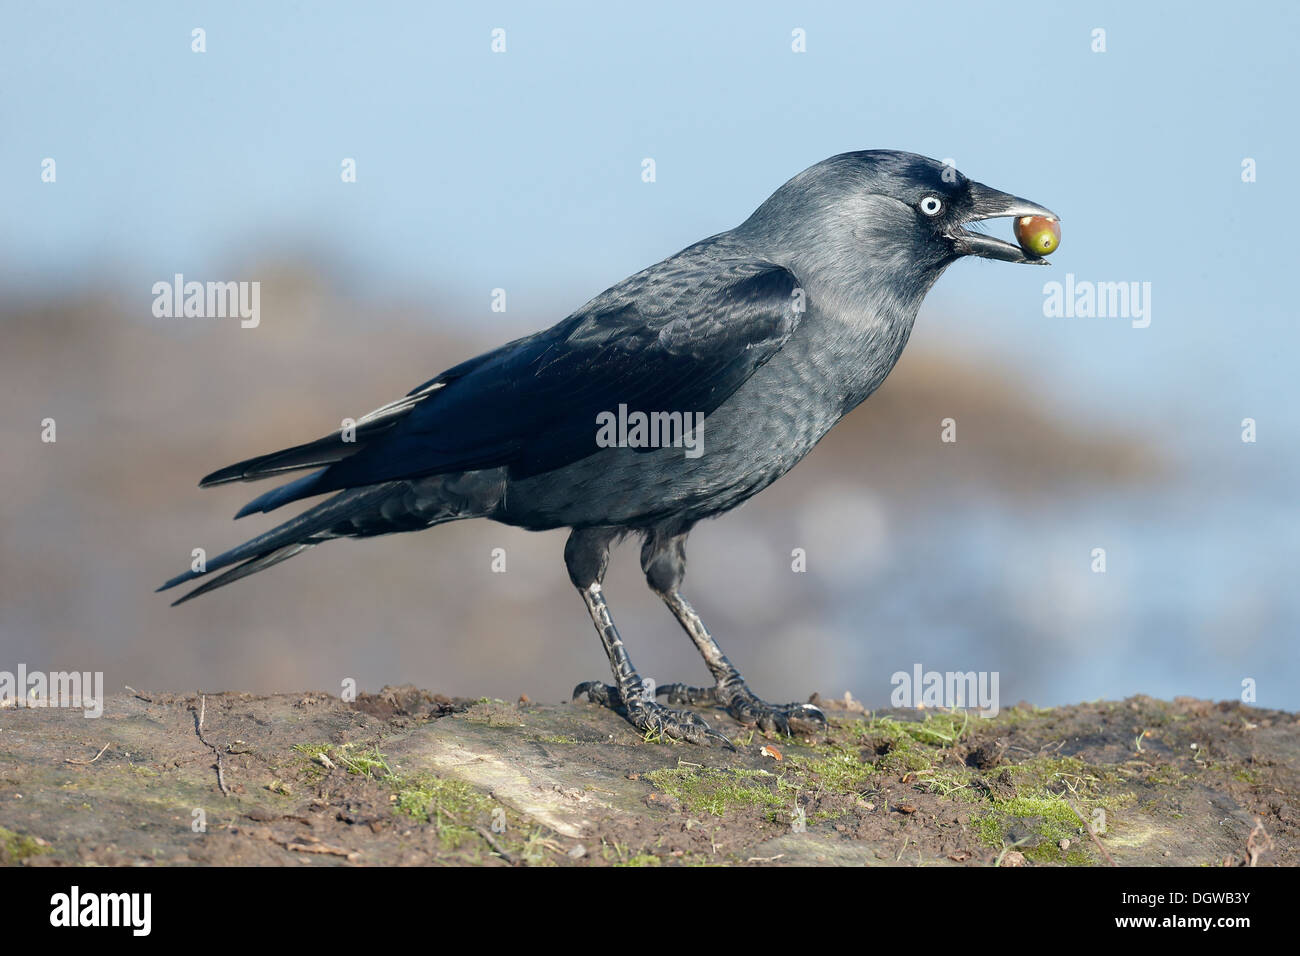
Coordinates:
column 673, row 396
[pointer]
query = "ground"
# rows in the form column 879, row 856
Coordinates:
column 409, row 777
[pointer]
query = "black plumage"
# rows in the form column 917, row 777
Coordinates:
column 769, row 333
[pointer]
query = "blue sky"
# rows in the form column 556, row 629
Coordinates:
column 522, row 170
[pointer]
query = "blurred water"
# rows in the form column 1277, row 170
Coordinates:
column 1198, row 595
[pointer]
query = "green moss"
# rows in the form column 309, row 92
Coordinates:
column 366, row 763
column 1047, row 792
column 955, row 782
column 940, row 729
column 14, row 847
column 311, row 766
column 557, row 739
column 458, row 811
column 897, row 747
column 620, row 854
column 990, row 828
column 1062, row 774
column 841, row 771
column 1165, row 775
column 706, row 790
column 1050, row 819
column 936, row 728
column 454, row 808
column 1047, row 852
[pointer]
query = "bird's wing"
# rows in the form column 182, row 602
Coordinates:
column 344, row 443
column 669, row 340
column 661, row 343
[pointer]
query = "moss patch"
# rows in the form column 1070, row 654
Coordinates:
column 15, row 847
column 1041, row 802
column 459, row 812
column 454, row 808
column 706, row 790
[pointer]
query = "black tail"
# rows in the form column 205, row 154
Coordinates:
column 284, row 541
column 324, row 451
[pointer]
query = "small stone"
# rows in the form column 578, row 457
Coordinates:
column 577, row 852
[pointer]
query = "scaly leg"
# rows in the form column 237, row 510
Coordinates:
column 664, row 561
column 587, row 555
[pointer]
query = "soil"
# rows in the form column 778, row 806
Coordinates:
column 406, row 777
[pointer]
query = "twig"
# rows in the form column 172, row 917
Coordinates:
column 1088, row 826
column 136, row 693
column 350, row 855
column 1254, row 847
column 198, row 729
column 91, row 760
column 496, row 847
column 1007, row 849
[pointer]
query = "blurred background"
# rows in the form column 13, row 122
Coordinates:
column 522, row 170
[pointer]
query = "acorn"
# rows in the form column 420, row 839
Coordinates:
column 1038, row 235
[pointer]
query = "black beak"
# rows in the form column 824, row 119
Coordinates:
column 991, row 204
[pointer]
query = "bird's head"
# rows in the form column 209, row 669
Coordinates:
column 885, row 217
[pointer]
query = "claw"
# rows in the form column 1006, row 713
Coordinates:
column 814, row 713
column 783, row 719
column 651, row 717
column 724, row 740
column 598, row 692
column 809, row 714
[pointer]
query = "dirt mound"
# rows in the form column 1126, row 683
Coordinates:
column 410, row 777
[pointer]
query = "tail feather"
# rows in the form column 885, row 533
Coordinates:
column 292, row 536
column 323, row 451
column 304, row 487
column 244, row 570
column 328, row 450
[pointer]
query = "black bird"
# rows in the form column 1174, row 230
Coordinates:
column 761, row 338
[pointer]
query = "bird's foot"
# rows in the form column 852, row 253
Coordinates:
column 752, row 711
column 649, row 716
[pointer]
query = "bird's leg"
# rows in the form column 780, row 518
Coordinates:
column 730, row 690
column 588, row 552
column 664, row 563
